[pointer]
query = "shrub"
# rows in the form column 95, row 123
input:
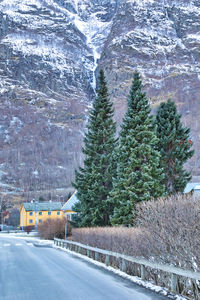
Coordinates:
column 173, row 228
column 54, row 228
column 167, row 231
column 130, row 241
column 28, row 229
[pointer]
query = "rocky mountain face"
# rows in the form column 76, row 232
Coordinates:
column 50, row 53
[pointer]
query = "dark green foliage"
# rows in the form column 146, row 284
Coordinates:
column 41, row 199
column 174, row 146
column 94, row 181
column 138, row 173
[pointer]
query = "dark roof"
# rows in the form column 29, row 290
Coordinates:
column 71, row 202
column 42, row 206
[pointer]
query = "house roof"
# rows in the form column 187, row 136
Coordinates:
column 197, row 187
column 71, row 202
column 42, row 206
column 192, row 185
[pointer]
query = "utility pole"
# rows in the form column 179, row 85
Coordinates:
column 66, row 230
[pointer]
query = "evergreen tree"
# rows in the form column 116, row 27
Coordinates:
column 174, row 146
column 138, row 174
column 94, row 181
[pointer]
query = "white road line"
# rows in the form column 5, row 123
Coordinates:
column 6, row 245
column 18, row 244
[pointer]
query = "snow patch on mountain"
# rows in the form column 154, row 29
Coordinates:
column 53, row 54
column 94, row 29
column 96, row 33
column 36, row 14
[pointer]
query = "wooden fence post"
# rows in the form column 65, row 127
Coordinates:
column 123, row 265
column 143, row 272
column 96, row 255
column 107, row 261
column 173, row 282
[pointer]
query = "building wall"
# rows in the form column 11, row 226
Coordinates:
column 22, row 216
column 27, row 218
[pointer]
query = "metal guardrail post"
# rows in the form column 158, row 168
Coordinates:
column 173, row 282
column 174, row 272
column 143, row 272
column 107, row 261
column 124, row 266
column 96, row 256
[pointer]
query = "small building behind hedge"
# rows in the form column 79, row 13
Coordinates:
column 34, row 213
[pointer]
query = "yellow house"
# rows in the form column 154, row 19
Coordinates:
column 34, row 213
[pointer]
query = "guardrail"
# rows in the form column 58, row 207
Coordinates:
column 174, row 271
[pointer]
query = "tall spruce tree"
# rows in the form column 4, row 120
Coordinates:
column 174, row 146
column 138, row 174
column 94, row 181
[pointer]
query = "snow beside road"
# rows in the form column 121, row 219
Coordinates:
column 135, row 279
column 39, row 242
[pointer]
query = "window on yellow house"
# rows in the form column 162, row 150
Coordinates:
column 58, row 213
column 30, row 221
column 30, row 213
column 40, row 221
column 49, row 213
column 40, row 213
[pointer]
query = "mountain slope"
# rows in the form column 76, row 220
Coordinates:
column 161, row 39
column 50, row 52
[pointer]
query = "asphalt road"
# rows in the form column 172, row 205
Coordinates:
column 28, row 272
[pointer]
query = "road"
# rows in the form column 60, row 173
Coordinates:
column 29, row 272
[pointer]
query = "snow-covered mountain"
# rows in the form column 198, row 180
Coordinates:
column 50, row 52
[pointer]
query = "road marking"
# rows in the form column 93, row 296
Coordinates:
column 18, row 244
column 6, row 245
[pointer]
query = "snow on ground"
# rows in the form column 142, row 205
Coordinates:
column 32, row 237
column 135, row 279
